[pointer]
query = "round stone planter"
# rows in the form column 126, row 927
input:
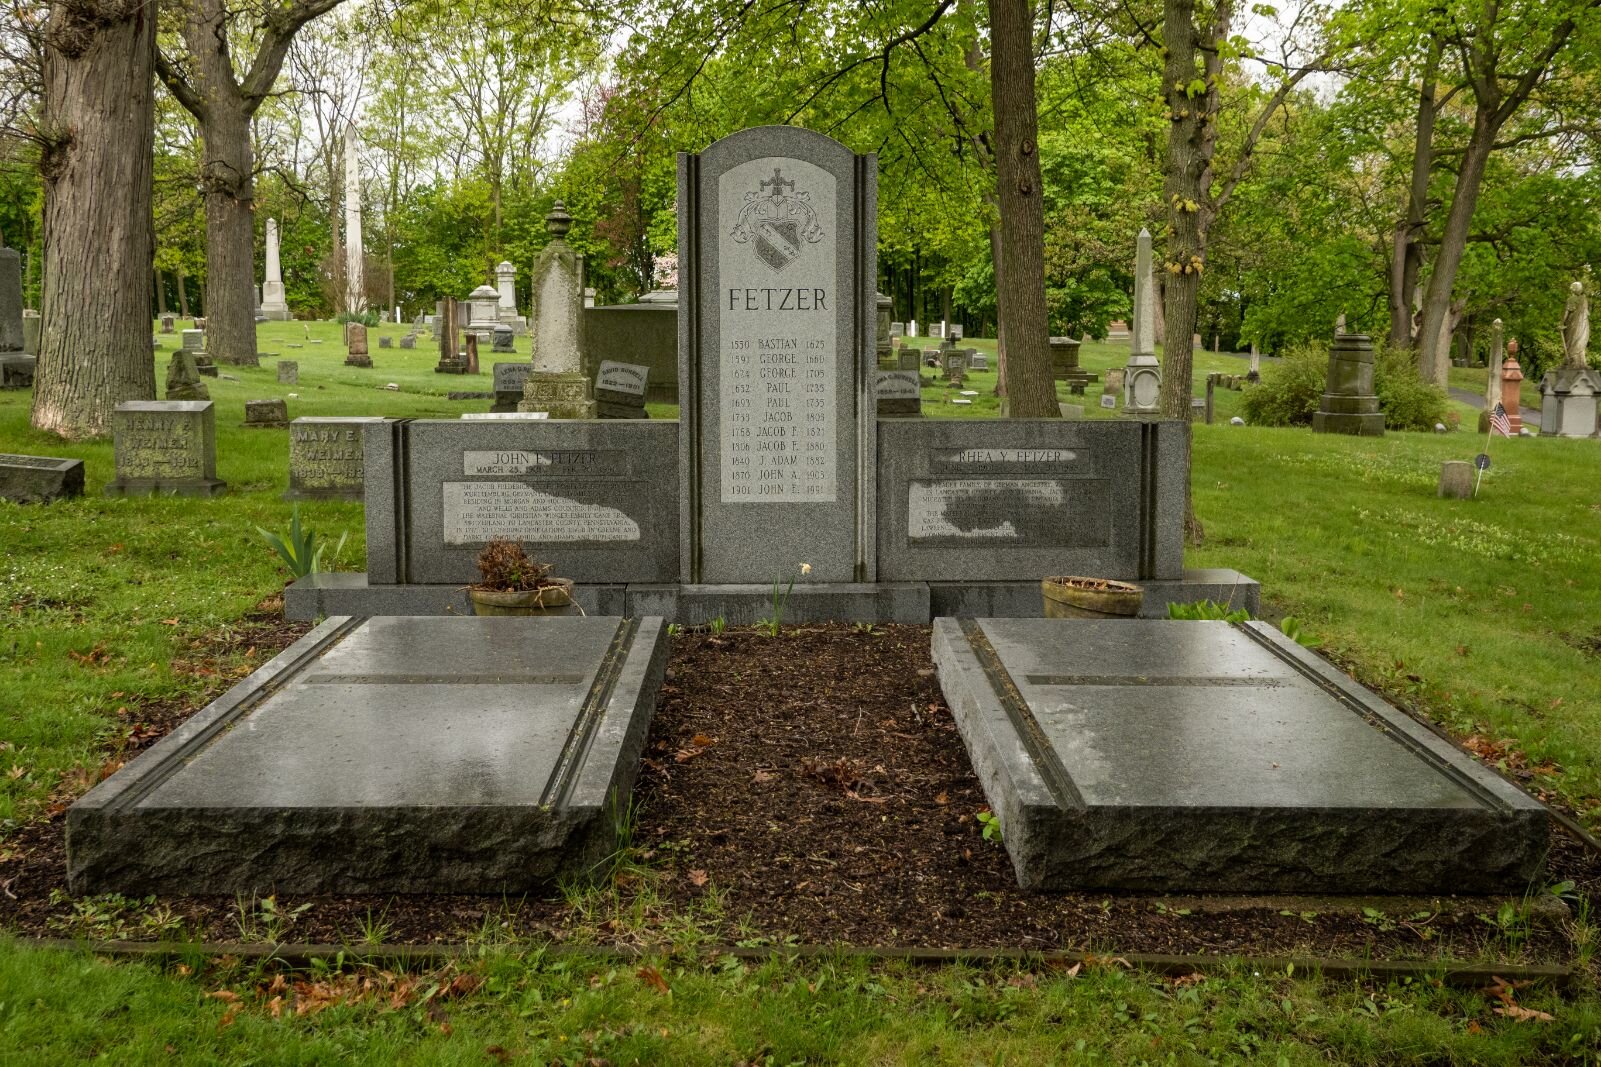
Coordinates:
column 1073, row 597
column 554, row 599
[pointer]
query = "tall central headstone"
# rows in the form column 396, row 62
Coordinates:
column 273, row 305
column 557, row 385
column 1142, row 385
column 777, row 325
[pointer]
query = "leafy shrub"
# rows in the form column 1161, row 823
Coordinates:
column 1289, row 393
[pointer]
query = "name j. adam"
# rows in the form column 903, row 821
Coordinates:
column 778, row 300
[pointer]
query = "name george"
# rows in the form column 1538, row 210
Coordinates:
column 778, row 300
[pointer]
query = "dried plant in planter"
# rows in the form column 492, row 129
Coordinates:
column 514, row 584
column 505, row 567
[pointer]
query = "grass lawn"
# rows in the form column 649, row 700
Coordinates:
column 1484, row 615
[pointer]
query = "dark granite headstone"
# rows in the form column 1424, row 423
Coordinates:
column 356, row 339
column 389, row 755
column 1349, row 403
column 509, row 381
column 270, row 414
column 620, row 390
column 1168, row 755
column 39, row 479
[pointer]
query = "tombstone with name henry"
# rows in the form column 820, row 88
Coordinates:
column 326, row 459
column 558, row 383
column 1349, row 404
column 165, row 447
column 39, row 479
column 1142, row 380
column 357, row 355
column 620, row 390
column 777, row 252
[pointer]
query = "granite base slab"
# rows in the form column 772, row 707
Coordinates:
column 1200, row 756
column 389, row 755
column 348, row 593
column 39, row 479
column 155, row 487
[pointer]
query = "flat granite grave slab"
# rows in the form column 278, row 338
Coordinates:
column 389, row 755
column 1184, row 755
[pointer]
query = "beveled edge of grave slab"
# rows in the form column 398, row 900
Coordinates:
column 119, row 838
column 1059, row 842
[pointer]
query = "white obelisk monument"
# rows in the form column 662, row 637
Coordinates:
column 273, row 305
column 355, row 278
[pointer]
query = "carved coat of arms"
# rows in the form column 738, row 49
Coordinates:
column 780, row 223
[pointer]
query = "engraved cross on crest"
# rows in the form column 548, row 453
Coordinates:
column 781, row 224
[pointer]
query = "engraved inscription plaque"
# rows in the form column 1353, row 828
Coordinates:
column 475, row 512
column 779, row 376
column 1016, row 511
column 549, row 463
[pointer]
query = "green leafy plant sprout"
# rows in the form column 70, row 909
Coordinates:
column 718, row 625
column 299, row 549
column 1291, row 627
column 770, row 626
column 991, row 824
column 1207, row 609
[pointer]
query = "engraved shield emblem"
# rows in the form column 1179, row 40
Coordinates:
column 778, row 243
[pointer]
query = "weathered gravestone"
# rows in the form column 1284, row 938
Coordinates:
column 643, row 333
column 168, row 324
column 777, row 245
column 505, row 340
column 16, row 366
column 385, row 341
column 39, row 479
column 1456, row 479
column 326, row 459
column 270, row 414
column 409, row 341
column 620, row 390
column 899, row 393
column 288, row 372
column 509, row 381
column 1349, row 403
column 955, row 364
column 389, row 755
column 32, row 325
column 1142, row 381
column 165, row 447
column 1173, row 755
column 558, row 383
column 356, row 340
column 183, row 377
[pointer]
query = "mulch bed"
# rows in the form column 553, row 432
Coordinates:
column 812, row 788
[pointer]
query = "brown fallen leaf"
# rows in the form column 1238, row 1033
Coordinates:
column 226, row 995
column 942, row 798
column 762, row 777
column 1524, row 1015
column 698, row 878
column 653, row 978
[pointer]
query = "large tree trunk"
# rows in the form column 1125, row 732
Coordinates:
column 1434, row 360
column 98, row 122
column 1030, row 390
column 226, row 176
column 161, row 292
column 1407, row 255
column 183, row 294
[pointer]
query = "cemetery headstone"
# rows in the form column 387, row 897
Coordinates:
column 483, row 312
column 183, row 378
column 907, row 359
column 1064, row 361
column 16, row 366
column 32, row 325
column 270, row 414
column 326, row 459
column 385, row 341
column 885, row 343
column 558, row 383
column 1570, row 393
column 357, row 355
column 505, row 340
column 165, row 447
column 273, row 306
column 644, row 333
column 409, row 341
column 1117, row 331
column 506, row 292
column 1142, row 384
column 777, row 254
column 899, row 393
column 977, row 360
column 956, row 331
column 450, row 360
column 1349, row 404
column 955, row 365
column 39, row 479
column 288, row 372
column 1511, row 389
column 1456, row 479
column 620, row 390
column 167, row 323
column 469, row 355
column 509, row 381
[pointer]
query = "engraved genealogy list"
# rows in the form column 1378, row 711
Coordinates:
column 777, row 245
column 777, row 326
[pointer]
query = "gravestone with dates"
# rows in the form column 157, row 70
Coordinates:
column 166, row 448
column 325, row 458
column 777, row 334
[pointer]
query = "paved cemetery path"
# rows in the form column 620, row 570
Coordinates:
column 1476, row 401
